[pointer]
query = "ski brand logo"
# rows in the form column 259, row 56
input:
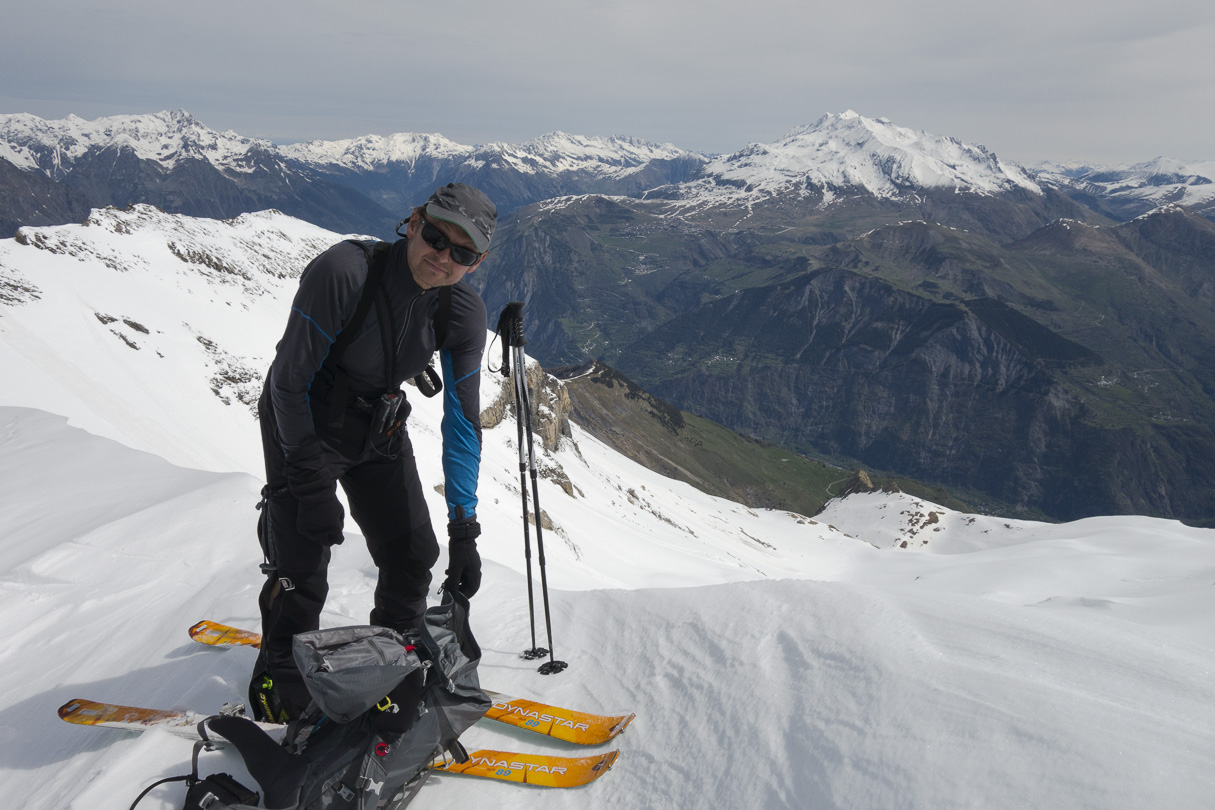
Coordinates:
column 517, row 766
column 382, row 749
column 510, row 708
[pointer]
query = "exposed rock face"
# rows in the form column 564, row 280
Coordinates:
column 852, row 366
column 550, row 406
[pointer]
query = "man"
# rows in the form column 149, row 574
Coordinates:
column 363, row 321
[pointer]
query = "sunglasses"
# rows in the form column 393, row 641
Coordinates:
column 437, row 241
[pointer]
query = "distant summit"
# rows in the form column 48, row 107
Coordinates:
column 849, row 152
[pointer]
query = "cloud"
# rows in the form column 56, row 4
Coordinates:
column 1028, row 78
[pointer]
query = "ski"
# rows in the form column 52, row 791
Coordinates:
column 554, row 721
column 582, row 728
column 221, row 635
column 136, row 718
column 532, row 769
column 506, row 766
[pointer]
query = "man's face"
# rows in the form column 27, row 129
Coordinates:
column 434, row 268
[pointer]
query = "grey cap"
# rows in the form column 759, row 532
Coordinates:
column 465, row 206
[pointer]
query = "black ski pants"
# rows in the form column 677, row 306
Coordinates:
column 380, row 478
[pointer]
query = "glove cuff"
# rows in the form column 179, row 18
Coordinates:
column 464, row 529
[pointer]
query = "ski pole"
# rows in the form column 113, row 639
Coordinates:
column 551, row 666
column 510, row 328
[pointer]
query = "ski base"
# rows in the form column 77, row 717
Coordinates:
column 581, row 728
column 505, row 766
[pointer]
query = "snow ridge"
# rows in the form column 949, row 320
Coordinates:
column 168, row 137
column 554, row 153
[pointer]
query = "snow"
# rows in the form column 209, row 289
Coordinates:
column 773, row 660
column 849, row 150
column 374, row 151
column 553, row 154
column 30, row 142
column 165, row 137
column 1160, row 182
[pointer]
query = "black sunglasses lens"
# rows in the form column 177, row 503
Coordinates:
column 437, row 241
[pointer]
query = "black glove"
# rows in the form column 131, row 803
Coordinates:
column 400, row 710
column 320, row 513
column 464, row 563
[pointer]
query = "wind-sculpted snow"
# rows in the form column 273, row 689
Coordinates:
column 1068, row 669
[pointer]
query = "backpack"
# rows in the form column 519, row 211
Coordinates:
column 384, row 706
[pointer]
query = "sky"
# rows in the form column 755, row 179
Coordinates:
column 1029, row 79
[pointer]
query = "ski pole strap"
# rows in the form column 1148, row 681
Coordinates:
column 510, row 329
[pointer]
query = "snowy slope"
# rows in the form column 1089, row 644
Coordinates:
column 1162, row 181
column 773, row 660
column 849, row 151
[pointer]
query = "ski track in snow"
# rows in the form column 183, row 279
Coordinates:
column 1000, row 664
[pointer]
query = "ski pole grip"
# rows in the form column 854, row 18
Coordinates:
column 510, row 324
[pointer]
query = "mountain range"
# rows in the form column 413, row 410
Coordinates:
column 857, row 291
column 171, row 160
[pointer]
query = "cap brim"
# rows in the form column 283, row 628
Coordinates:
column 480, row 243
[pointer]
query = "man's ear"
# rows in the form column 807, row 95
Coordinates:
column 411, row 227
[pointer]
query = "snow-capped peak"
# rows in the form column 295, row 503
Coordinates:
column 552, row 153
column 374, row 151
column 165, row 137
column 849, row 150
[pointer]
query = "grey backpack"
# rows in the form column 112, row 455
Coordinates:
column 384, row 706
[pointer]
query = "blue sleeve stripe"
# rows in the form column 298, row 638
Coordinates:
column 314, row 323
column 461, row 449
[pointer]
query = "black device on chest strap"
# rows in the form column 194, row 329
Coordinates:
column 428, row 382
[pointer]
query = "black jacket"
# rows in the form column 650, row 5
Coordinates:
column 328, row 294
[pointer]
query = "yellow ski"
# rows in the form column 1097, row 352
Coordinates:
column 532, row 769
column 562, row 724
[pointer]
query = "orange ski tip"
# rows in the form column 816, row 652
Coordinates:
column 71, row 707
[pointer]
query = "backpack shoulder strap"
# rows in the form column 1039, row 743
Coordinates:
column 377, row 262
column 429, row 382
